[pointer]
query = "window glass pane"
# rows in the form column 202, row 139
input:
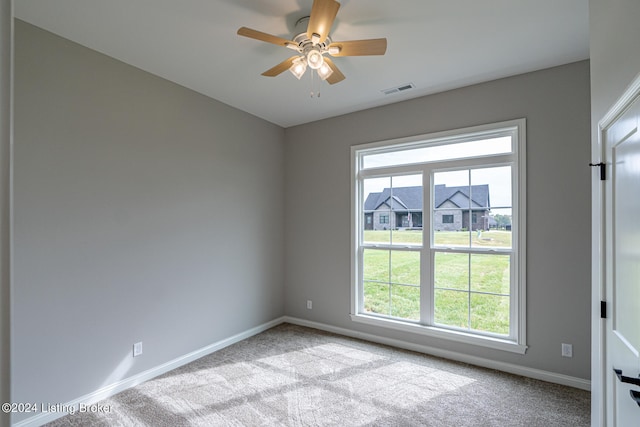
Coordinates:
column 451, row 202
column 376, row 265
column 434, row 152
column 391, row 283
column 377, row 298
column 393, row 210
column 491, row 202
column 377, row 213
column 451, row 271
column 498, row 182
column 405, row 302
column 494, row 238
column 451, row 308
column 455, row 274
column 490, row 273
column 490, row 313
column 405, row 267
column 405, row 270
column 500, row 219
column 408, row 237
column 406, row 209
column 499, row 234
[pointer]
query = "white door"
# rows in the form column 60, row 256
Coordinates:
column 621, row 142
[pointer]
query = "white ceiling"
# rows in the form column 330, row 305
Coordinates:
column 435, row 44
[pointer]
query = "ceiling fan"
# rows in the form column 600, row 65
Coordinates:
column 312, row 45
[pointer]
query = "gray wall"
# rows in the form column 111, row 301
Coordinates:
column 143, row 212
column 6, row 41
column 555, row 103
column 615, row 61
column 615, row 53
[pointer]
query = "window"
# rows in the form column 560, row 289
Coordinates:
column 446, row 255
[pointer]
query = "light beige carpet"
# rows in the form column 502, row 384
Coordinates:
column 295, row 376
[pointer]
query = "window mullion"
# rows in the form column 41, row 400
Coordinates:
column 389, row 280
column 426, row 257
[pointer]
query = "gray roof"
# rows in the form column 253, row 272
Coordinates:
column 460, row 196
column 410, row 198
column 404, row 198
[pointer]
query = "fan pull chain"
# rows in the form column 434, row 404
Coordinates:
column 312, row 86
column 311, row 73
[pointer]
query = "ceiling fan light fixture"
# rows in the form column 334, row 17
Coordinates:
column 315, row 59
column 313, row 41
column 324, row 71
column 298, row 67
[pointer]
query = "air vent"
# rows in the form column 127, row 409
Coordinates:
column 399, row 89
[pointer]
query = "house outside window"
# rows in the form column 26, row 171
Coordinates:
column 433, row 259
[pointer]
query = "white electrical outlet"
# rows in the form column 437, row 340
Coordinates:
column 309, row 304
column 137, row 349
column 567, row 350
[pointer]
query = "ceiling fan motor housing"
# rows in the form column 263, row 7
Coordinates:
column 303, row 40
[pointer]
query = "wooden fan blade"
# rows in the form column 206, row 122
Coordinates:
column 360, row 47
column 280, row 68
column 337, row 75
column 323, row 13
column 259, row 35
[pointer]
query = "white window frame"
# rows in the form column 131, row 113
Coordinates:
column 516, row 341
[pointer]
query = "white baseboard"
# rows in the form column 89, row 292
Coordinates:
column 524, row 371
column 117, row 387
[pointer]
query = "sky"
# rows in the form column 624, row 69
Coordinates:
column 435, row 153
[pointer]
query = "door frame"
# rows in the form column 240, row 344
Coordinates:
column 598, row 257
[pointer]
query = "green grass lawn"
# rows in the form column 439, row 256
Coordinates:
column 493, row 238
column 391, row 283
column 385, row 236
column 471, row 290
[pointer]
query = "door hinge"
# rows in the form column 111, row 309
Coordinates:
column 603, row 169
column 603, row 309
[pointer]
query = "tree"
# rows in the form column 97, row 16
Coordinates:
column 502, row 220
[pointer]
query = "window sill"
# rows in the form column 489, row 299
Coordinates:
column 433, row 331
